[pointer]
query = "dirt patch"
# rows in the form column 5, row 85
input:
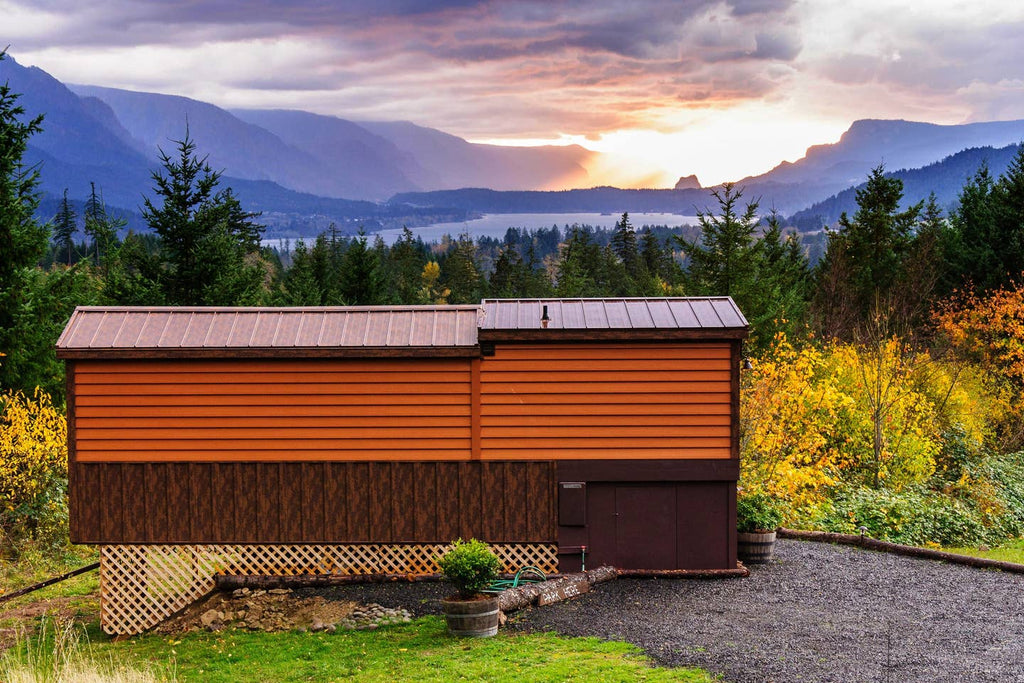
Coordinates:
column 280, row 610
column 17, row 621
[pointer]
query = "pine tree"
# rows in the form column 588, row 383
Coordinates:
column 100, row 226
column 299, row 286
column 362, row 282
column 726, row 261
column 460, row 273
column 207, row 241
column 404, row 267
column 23, row 240
column 64, row 227
column 866, row 256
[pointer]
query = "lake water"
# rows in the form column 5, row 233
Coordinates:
column 495, row 224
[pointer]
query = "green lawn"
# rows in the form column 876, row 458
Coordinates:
column 1010, row 551
column 420, row 651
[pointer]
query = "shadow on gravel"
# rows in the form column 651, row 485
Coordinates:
column 817, row 612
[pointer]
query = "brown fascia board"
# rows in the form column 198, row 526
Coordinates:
column 270, row 353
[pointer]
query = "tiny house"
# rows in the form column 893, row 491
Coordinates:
column 363, row 439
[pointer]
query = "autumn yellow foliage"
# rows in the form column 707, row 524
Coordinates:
column 33, row 464
column 827, row 415
column 988, row 331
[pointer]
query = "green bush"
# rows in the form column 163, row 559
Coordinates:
column 470, row 565
column 913, row 516
column 757, row 512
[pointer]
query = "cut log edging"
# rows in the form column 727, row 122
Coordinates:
column 897, row 549
column 554, row 590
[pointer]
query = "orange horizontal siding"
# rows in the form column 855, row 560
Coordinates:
column 216, row 455
column 229, row 445
column 534, row 405
column 362, row 411
column 616, row 366
column 311, row 365
column 649, row 431
column 197, row 410
column 618, row 419
column 588, row 351
column 86, row 381
column 591, row 453
column 600, row 387
column 275, row 422
column 358, row 389
column 347, row 400
column 607, row 401
column 625, row 379
column 167, row 435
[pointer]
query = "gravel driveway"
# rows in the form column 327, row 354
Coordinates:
column 817, row 612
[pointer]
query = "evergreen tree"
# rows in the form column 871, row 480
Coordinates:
column 580, row 266
column 207, row 241
column 23, row 240
column 508, row 277
column 460, row 273
column 100, row 226
column 405, row 261
column 1008, row 214
column 624, row 244
column 362, row 282
column 867, row 255
column 299, row 285
column 784, row 284
column 726, row 262
column 64, row 227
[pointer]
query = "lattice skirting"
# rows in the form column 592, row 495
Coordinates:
column 141, row 585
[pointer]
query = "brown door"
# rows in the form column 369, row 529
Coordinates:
column 645, row 526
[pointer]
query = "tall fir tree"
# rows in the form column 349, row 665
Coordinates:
column 864, row 258
column 64, row 228
column 726, row 260
column 207, row 241
column 100, row 226
column 23, row 240
column 460, row 273
column 362, row 281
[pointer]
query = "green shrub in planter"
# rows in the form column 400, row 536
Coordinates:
column 470, row 565
column 757, row 513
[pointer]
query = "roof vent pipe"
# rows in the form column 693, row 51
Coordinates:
column 544, row 319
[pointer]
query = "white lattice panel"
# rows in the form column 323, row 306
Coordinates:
column 141, row 585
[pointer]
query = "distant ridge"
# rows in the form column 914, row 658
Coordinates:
column 306, row 170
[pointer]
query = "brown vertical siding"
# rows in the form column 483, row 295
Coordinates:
column 200, row 410
column 607, row 401
column 329, row 502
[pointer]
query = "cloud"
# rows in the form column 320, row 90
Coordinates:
column 539, row 68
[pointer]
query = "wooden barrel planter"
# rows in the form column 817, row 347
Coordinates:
column 471, row 618
column 755, row 548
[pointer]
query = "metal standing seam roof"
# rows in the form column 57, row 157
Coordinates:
column 676, row 313
column 95, row 328
column 100, row 328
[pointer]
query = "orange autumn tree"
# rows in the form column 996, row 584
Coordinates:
column 988, row 330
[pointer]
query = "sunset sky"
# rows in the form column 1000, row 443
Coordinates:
column 665, row 88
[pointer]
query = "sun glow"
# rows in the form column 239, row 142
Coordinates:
column 717, row 146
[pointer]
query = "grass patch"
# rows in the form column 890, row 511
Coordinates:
column 1010, row 551
column 420, row 651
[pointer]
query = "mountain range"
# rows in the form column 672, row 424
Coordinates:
column 305, row 170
